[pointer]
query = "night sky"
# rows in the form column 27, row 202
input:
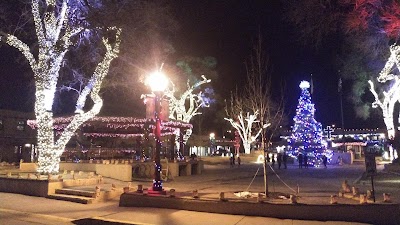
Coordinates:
column 226, row 30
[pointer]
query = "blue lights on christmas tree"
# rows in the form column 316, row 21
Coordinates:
column 307, row 132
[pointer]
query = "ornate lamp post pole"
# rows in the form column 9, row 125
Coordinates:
column 158, row 82
column 212, row 143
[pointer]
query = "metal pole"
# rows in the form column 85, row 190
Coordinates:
column 373, row 188
column 342, row 117
column 157, row 182
column 265, row 176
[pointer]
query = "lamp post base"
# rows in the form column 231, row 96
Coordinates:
column 152, row 191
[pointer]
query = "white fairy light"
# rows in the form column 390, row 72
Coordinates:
column 187, row 105
column 391, row 96
column 53, row 35
column 179, row 109
column 244, row 126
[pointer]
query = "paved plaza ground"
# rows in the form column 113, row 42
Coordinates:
column 315, row 186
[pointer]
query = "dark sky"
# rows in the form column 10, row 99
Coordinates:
column 226, row 30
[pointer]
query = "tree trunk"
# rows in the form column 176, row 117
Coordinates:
column 246, row 146
column 265, row 177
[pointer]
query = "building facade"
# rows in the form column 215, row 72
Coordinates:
column 17, row 139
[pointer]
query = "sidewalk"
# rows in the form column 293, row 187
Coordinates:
column 36, row 210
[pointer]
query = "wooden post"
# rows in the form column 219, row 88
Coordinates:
column 172, row 193
column 333, row 199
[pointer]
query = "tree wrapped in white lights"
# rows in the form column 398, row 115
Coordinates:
column 245, row 127
column 187, row 105
column 54, row 32
column 389, row 98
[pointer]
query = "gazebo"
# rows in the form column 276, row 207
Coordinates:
column 120, row 137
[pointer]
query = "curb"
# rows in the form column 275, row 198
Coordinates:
column 36, row 215
column 103, row 221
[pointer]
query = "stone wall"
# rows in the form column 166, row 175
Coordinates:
column 392, row 167
column 121, row 172
column 347, row 158
column 175, row 169
column 384, row 214
column 31, row 167
column 31, row 187
column 86, row 167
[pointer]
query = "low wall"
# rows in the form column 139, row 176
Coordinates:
column 86, row 167
column 191, row 167
column 31, row 167
column 31, row 187
column 81, row 182
column 385, row 214
column 121, row 172
column 175, row 169
column 392, row 167
column 347, row 158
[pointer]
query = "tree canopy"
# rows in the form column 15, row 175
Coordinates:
column 358, row 34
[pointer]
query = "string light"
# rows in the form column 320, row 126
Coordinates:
column 178, row 109
column 187, row 105
column 391, row 96
column 54, row 33
column 117, row 124
column 244, row 126
column 307, row 132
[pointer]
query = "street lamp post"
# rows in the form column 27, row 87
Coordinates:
column 158, row 82
column 212, row 143
column 157, row 182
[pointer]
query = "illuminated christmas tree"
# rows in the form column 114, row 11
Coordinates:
column 307, row 132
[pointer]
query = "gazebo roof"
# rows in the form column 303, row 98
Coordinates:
column 125, row 127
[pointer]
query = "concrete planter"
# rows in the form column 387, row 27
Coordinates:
column 32, row 187
column 41, row 187
column 370, row 213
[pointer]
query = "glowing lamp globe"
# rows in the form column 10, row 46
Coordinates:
column 304, row 84
column 212, row 135
column 157, row 81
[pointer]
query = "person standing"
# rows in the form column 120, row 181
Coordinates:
column 300, row 159
column 273, row 160
column 279, row 159
column 324, row 160
column 305, row 159
column 284, row 159
column 239, row 160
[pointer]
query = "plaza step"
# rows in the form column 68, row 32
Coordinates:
column 65, row 191
column 72, row 198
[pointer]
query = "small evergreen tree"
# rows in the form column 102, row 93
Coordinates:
column 307, row 132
